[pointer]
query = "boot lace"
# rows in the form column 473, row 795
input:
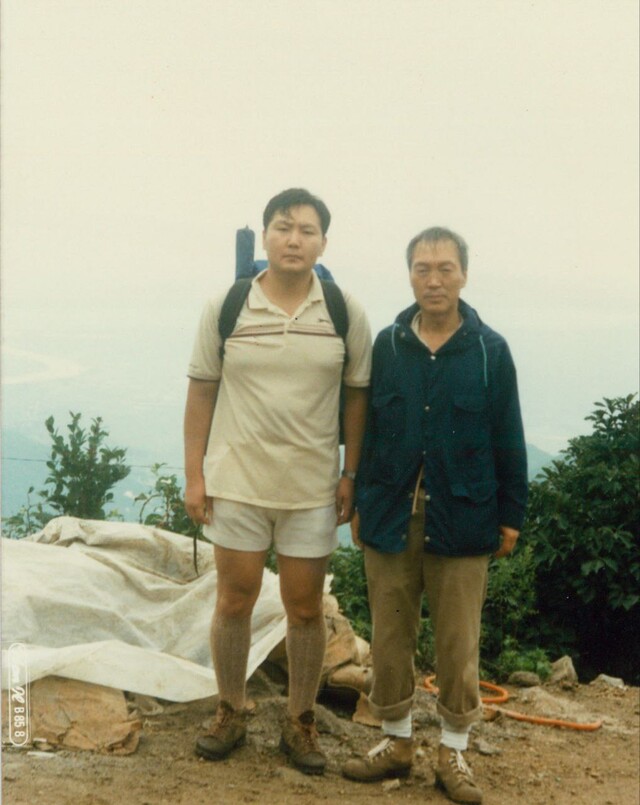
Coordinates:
column 224, row 715
column 308, row 736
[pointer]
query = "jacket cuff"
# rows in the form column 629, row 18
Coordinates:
column 511, row 515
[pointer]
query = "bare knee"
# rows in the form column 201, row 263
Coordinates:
column 303, row 613
column 236, row 603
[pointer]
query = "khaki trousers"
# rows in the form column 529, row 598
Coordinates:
column 455, row 588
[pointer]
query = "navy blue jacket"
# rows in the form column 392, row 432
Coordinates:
column 456, row 412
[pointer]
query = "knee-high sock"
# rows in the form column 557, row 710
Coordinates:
column 305, row 651
column 230, row 643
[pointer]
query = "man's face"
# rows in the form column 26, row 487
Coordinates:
column 293, row 240
column 437, row 277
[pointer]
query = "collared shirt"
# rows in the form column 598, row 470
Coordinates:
column 274, row 435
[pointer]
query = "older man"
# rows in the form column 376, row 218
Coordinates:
column 442, row 486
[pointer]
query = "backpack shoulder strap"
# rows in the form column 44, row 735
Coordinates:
column 337, row 307
column 231, row 307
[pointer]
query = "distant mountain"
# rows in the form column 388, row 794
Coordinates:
column 537, row 459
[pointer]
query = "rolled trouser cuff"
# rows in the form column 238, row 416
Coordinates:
column 459, row 721
column 391, row 712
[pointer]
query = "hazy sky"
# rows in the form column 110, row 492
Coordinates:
column 139, row 134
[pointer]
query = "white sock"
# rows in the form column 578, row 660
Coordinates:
column 454, row 739
column 399, row 729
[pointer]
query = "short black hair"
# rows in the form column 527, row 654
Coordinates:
column 295, row 197
column 435, row 234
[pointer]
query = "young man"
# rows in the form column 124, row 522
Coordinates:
column 262, row 462
column 442, row 486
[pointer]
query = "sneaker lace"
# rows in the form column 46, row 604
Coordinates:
column 460, row 767
column 385, row 746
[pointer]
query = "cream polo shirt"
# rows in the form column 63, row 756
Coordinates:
column 274, row 435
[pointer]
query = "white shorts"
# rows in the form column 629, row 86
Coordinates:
column 305, row 533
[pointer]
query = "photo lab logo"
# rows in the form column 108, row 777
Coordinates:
column 18, row 687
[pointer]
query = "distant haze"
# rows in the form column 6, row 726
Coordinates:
column 137, row 136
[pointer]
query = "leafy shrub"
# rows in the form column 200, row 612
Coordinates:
column 350, row 587
column 514, row 658
column 163, row 505
column 28, row 519
column 511, row 602
column 583, row 530
column 82, row 472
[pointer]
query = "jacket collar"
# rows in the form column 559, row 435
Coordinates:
column 471, row 322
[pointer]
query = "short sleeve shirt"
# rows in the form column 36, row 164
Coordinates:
column 274, row 434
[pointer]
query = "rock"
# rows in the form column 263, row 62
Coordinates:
column 390, row 785
column 484, row 748
column 563, row 671
column 546, row 705
column 611, row 681
column 524, row 679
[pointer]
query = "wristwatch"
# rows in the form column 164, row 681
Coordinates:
column 349, row 474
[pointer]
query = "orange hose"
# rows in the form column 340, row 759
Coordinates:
column 503, row 696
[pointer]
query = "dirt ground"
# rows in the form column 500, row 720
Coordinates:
column 514, row 762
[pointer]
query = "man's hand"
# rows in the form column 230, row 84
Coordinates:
column 355, row 531
column 198, row 506
column 344, row 500
column 509, row 539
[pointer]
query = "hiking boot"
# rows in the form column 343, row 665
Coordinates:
column 228, row 731
column 455, row 777
column 390, row 758
column 299, row 740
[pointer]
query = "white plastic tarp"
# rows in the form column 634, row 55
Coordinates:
column 120, row 604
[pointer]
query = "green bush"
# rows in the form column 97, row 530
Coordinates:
column 514, row 658
column 82, row 472
column 350, row 587
column 583, row 530
column 31, row 517
column 511, row 603
column 163, row 505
